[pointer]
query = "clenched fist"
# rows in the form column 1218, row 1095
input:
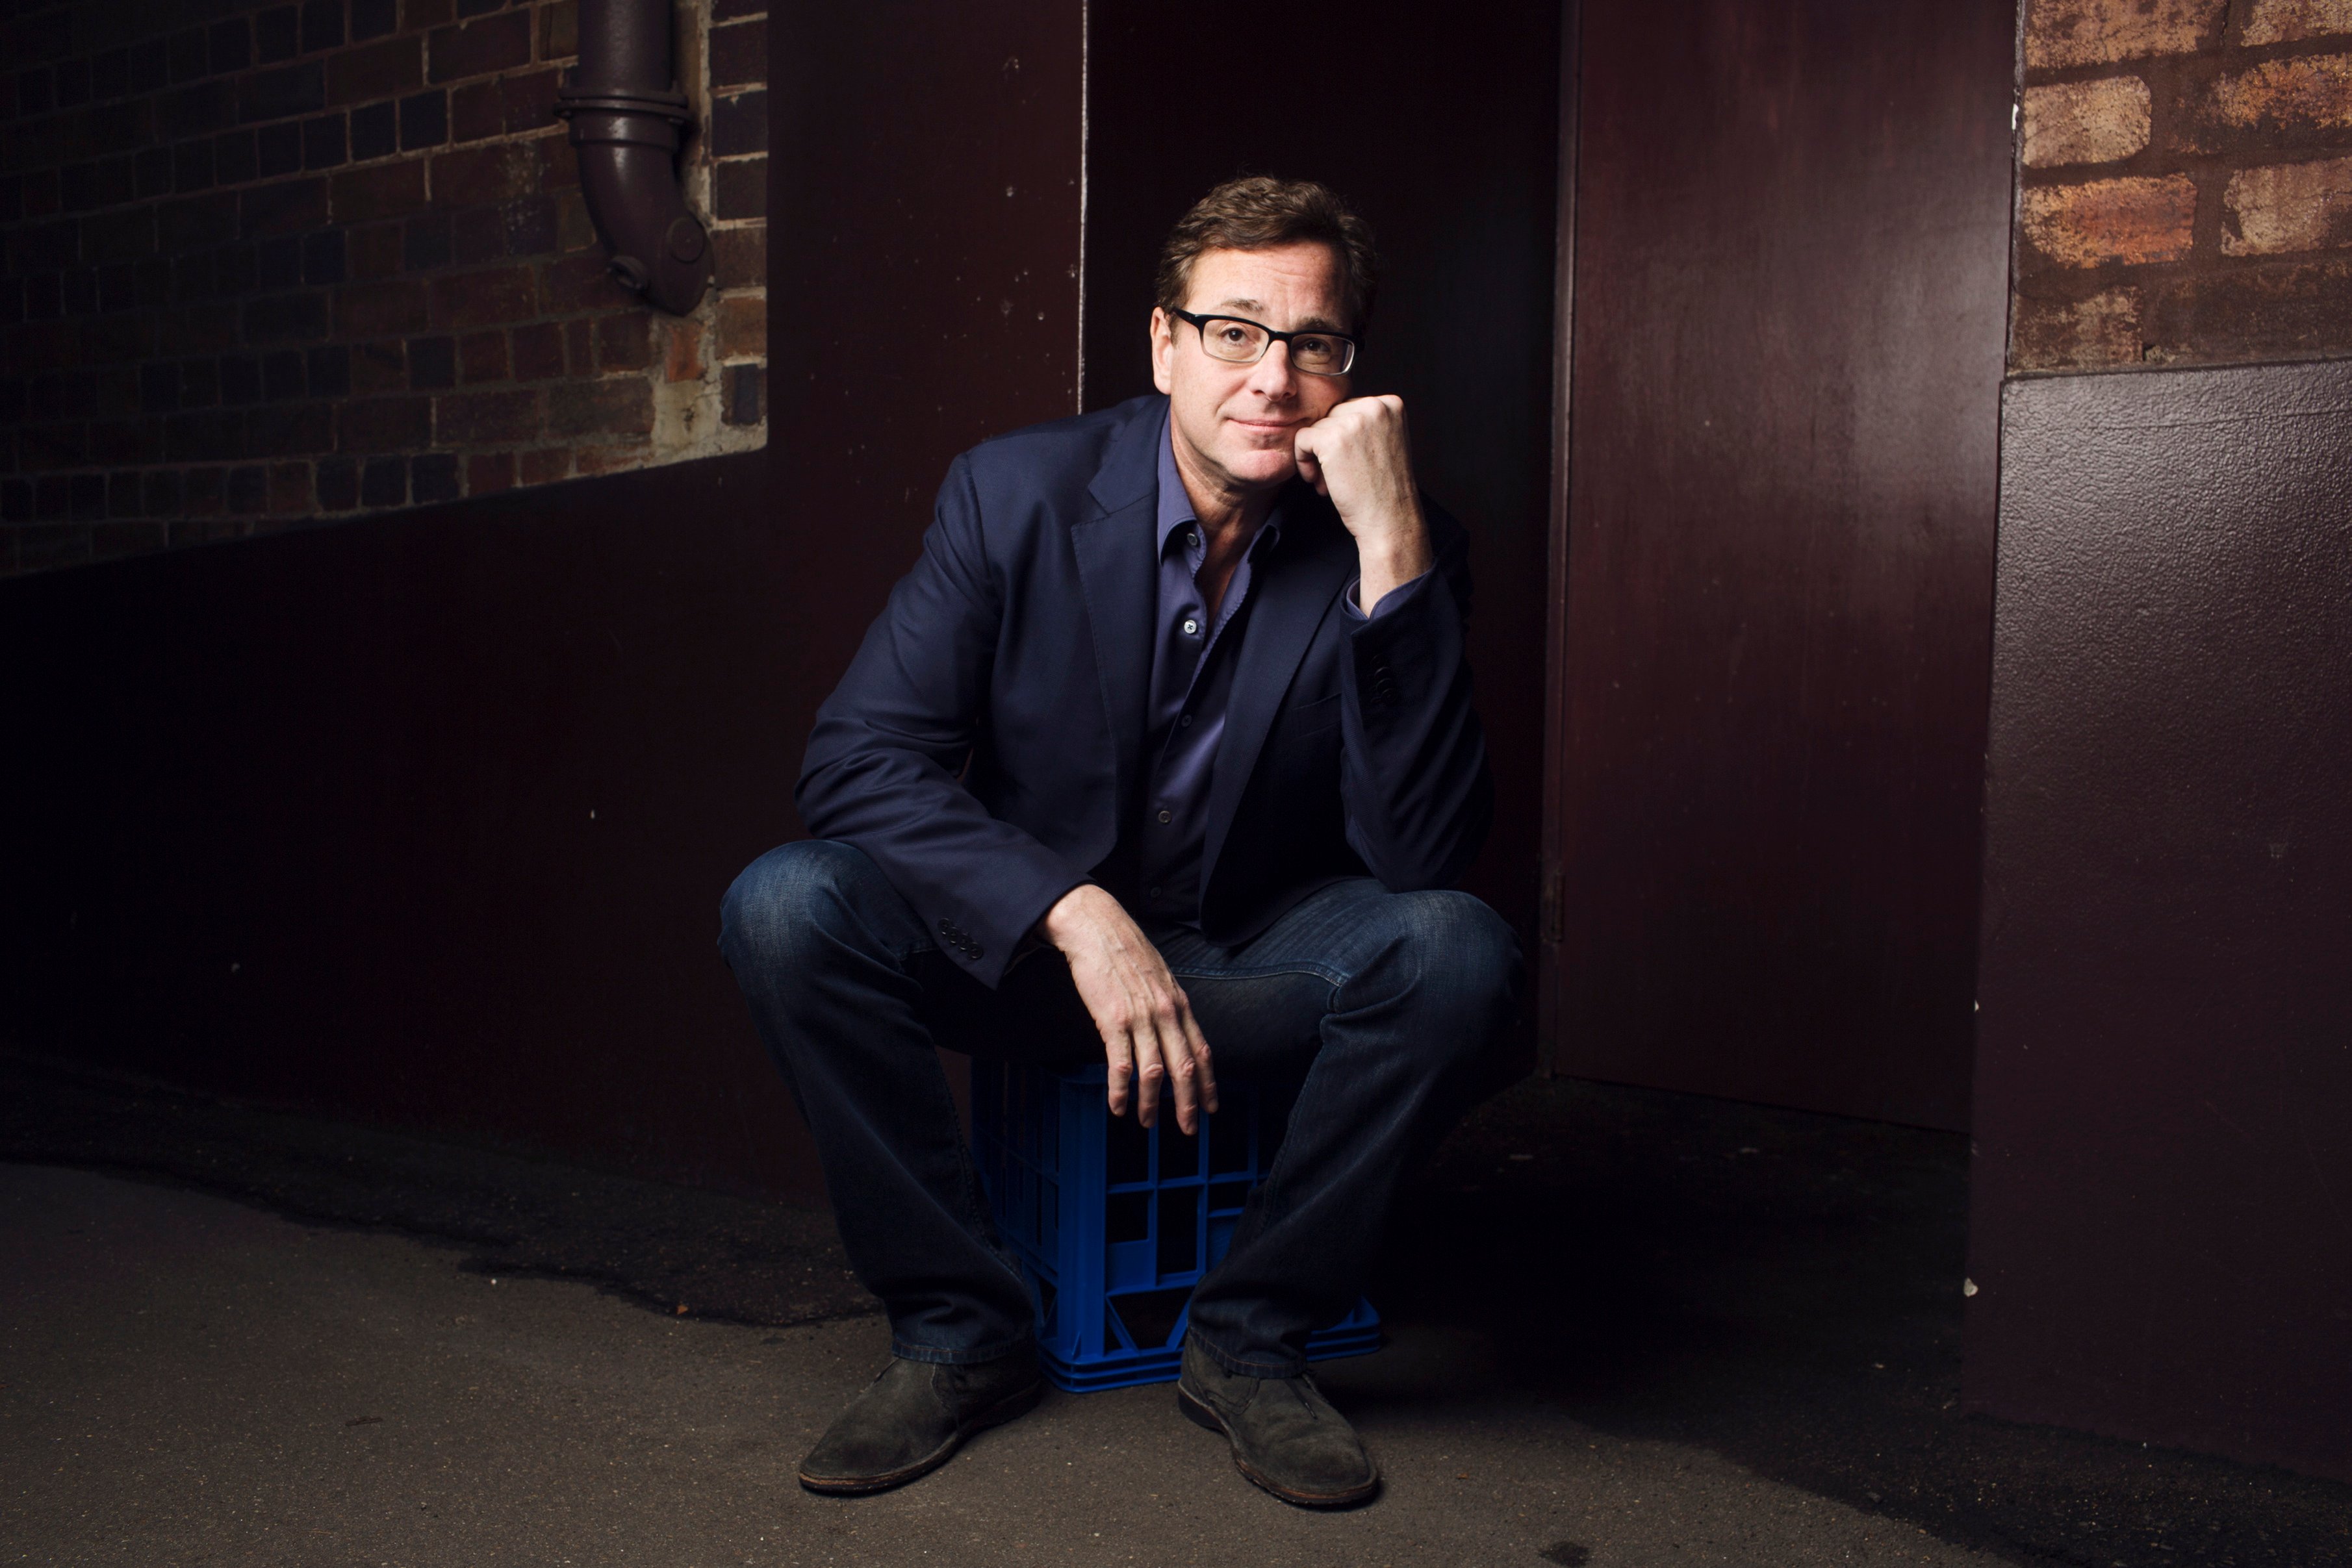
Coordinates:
column 1358, row 455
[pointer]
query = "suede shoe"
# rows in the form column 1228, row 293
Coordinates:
column 1285, row 1436
column 912, row 1418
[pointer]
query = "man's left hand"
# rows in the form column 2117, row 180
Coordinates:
column 1359, row 456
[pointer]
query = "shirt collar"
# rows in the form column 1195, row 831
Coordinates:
column 1176, row 506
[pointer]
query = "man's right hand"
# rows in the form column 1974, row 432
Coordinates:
column 1148, row 1030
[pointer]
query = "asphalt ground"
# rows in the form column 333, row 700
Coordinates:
column 1671, row 1331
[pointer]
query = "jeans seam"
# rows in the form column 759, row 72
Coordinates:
column 1330, row 977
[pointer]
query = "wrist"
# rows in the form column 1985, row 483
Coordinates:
column 1059, row 926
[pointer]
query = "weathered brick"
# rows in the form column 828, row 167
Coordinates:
column 744, row 326
column 2288, row 207
column 576, row 283
column 558, row 165
column 621, row 406
column 545, row 464
column 743, row 257
column 631, row 454
column 484, row 176
column 489, row 471
column 383, row 482
column 527, row 101
column 289, row 487
column 119, row 236
column 538, row 352
column 2061, row 33
column 559, row 30
column 745, row 393
column 375, row 250
column 739, row 54
column 289, row 429
column 2085, row 123
column 288, row 89
column 379, row 191
column 2285, row 21
column 286, row 318
column 432, row 362
column 478, row 237
column 2307, row 94
column 623, row 341
column 474, row 111
column 292, row 206
column 482, row 357
column 211, row 435
column 338, row 484
column 384, row 425
column 2077, row 334
column 487, row 299
column 379, row 367
column 682, row 350
column 742, row 187
column 481, row 419
column 498, row 43
column 573, row 229
column 2112, row 222
column 381, row 309
column 433, row 476
column 2274, row 309
column 739, row 125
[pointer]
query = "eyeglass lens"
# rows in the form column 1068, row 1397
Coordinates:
column 1243, row 343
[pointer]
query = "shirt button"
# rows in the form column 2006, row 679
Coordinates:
column 1156, row 890
column 1186, row 721
column 1167, row 816
column 1192, row 627
column 1193, row 540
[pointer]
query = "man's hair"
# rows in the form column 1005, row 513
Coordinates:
column 1259, row 212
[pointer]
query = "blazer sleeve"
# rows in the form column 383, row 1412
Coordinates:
column 883, row 763
column 1412, row 768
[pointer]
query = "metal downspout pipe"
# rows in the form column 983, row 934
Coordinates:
column 627, row 115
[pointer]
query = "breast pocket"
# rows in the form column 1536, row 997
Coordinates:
column 1313, row 716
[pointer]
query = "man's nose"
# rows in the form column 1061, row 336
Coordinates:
column 1273, row 377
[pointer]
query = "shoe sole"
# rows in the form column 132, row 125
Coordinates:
column 1198, row 1412
column 996, row 1414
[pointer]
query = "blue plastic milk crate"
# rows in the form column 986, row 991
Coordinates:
column 1116, row 1223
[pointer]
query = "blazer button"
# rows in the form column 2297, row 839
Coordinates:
column 1167, row 816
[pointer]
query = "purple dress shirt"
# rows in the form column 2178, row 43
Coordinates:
column 1192, row 659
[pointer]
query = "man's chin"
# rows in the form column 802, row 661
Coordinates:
column 1263, row 468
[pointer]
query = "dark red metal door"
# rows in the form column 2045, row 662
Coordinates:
column 1790, row 228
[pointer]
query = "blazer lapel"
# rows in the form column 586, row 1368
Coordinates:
column 1301, row 585
column 1116, row 568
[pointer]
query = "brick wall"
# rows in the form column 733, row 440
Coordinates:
column 2185, row 182
column 264, row 264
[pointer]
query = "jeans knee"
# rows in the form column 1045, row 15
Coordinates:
column 1465, row 958
column 784, row 898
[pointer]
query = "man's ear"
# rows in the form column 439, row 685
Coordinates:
column 1163, row 348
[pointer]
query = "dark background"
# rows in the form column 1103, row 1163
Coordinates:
column 306, row 819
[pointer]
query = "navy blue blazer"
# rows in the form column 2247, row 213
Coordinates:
column 986, row 748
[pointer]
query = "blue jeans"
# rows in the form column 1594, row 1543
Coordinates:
column 1384, row 1001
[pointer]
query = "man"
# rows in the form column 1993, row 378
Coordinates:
column 1164, row 750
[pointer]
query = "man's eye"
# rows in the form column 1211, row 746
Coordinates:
column 1312, row 345
column 1234, row 334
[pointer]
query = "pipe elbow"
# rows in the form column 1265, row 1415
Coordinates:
column 654, row 245
column 626, row 116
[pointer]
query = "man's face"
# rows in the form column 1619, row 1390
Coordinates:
column 1235, row 424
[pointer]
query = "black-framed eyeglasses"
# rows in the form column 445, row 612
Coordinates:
column 1240, row 342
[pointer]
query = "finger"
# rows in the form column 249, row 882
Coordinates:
column 1204, row 1071
column 1120, row 1058
column 1183, row 1071
column 1150, row 1074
